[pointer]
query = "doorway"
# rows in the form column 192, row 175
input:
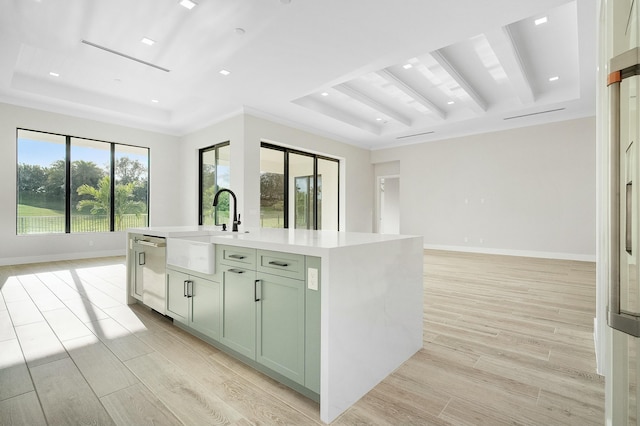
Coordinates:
column 388, row 204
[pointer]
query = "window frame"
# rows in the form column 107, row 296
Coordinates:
column 67, row 180
column 315, row 157
column 201, row 152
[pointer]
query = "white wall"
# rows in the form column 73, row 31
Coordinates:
column 164, row 185
column 246, row 132
column 173, row 177
column 537, row 183
column 528, row 191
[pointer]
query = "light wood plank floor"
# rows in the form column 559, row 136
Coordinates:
column 507, row 340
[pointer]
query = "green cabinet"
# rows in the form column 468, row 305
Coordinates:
column 280, row 321
column 238, row 330
column 177, row 299
column 205, row 307
column 194, row 301
column 268, row 312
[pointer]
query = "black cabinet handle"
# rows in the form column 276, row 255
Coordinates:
column 277, row 263
column 236, row 256
column 184, row 288
column 189, row 288
column 141, row 258
column 257, row 291
column 236, row 271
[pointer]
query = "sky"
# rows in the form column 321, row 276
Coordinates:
column 45, row 153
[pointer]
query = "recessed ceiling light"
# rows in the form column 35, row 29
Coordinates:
column 155, row 101
column 225, row 72
column 378, row 119
column 54, row 74
column 450, row 103
column 147, row 41
column 554, row 78
column 324, row 94
column 407, row 66
column 541, row 21
column 188, row 4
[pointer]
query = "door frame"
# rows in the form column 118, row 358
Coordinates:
column 378, row 201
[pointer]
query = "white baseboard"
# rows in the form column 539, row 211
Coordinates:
column 520, row 253
column 57, row 257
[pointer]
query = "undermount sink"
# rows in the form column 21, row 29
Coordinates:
column 192, row 253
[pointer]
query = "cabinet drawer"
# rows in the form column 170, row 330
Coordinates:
column 282, row 264
column 237, row 256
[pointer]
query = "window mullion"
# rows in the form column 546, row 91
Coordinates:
column 200, row 186
column 67, row 185
column 315, row 192
column 112, row 189
column 286, row 189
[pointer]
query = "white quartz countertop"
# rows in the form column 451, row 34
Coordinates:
column 292, row 240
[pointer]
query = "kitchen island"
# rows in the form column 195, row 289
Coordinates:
column 361, row 299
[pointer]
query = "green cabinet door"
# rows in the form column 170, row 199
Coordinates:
column 281, row 325
column 238, row 328
column 205, row 307
column 177, row 300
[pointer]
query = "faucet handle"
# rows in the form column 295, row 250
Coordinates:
column 239, row 219
column 224, row 226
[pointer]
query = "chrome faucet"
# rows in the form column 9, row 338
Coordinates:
column 236, row 216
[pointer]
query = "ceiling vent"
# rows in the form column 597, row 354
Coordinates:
column 534, row 113
column 417, row 134
column 115, row 52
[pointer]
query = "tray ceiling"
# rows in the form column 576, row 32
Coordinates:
column 373, row 73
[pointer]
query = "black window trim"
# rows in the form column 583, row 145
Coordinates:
column 315, row 157
column 67, row 180
column 201, row 153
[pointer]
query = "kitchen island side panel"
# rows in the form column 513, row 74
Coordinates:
column 372, row 313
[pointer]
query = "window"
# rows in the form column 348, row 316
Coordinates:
column 64, row 184
column 131, row 197
column 272, row 190
column 90, row 186
column 214, row 175
column 301, row 169
column 298, row 186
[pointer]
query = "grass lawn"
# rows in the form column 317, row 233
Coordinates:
column 25, row 210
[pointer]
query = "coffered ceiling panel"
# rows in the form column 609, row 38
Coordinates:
column 373, row 73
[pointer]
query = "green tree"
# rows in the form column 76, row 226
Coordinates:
column 31, row 178
column 84, row 173
column 32, row 181
column 133, row 171
column 271, row 189
column 128, row 170
column 100, row 200
column 54, row 187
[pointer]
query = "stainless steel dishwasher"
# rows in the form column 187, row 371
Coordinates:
column 149, row 278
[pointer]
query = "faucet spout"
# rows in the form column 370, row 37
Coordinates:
column 236, row 216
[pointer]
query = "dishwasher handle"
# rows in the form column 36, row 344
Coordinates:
column 151, row 243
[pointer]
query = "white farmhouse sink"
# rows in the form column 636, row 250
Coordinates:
column 193, row 253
